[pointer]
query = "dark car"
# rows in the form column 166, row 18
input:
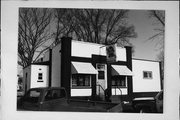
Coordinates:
column 149, row 104
column 55, row 99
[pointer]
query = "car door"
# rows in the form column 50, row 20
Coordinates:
column 54, row 100
column 31, row 100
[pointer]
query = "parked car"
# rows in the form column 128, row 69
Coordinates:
column 149, row 104
column 55, row 99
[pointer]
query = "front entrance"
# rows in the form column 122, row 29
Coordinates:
column 101, row 81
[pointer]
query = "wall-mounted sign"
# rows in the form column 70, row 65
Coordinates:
column 111, row 53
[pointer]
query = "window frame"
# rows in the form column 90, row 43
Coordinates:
column 40, row 77
column 101, row 69
column 115, row 78
column 78, row 86
column 149, row 75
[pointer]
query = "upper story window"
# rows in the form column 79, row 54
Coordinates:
column 101, row 71
column 147, row 75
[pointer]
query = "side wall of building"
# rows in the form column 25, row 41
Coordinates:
column 142, row 84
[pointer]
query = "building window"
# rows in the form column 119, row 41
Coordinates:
column 101, row 71
column 147, row 74
column 79, row 80
column 100, row 74
column 40, row 77
column 119, row 81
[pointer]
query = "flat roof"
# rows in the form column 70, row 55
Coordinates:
column 145, row 60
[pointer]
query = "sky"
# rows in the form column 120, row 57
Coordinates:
column 144, row 26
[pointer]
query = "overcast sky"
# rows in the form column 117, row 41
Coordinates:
column 144, row 26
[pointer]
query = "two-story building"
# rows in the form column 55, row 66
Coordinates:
column 89, row 70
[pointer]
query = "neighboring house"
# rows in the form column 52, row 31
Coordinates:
column 88, row 69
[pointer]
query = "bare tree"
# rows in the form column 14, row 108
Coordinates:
column 64, row 22
column 33, row 34
column 159, row 19
column 95, row 25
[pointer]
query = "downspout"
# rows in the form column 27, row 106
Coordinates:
column 50, row 67
column 161, row 77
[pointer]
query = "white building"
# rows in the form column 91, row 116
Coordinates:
column 91, row 70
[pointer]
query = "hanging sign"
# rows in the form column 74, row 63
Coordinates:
column 111, row 53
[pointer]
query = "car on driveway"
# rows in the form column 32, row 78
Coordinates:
column 149, row 104
column 55, row 99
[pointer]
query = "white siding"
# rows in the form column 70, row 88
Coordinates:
column 86, row 49
column 56, row 66
column 35, row 70
column 121, row 54
column 83, row 49
column 145, row 85
column 81, row 92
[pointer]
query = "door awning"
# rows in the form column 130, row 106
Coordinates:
column 82, row 68
column 121, row 70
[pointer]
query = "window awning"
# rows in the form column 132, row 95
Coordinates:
column 82, row 68
column 121, row 70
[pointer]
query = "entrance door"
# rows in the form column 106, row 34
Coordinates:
column 101, row 81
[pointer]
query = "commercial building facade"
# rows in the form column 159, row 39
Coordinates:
column 89, row 70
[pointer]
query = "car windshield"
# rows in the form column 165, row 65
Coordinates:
column 55, row 94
